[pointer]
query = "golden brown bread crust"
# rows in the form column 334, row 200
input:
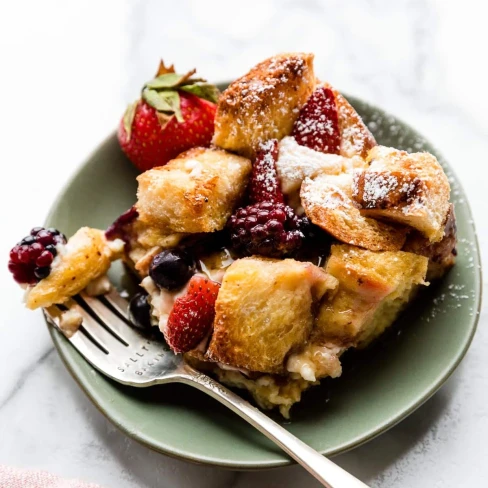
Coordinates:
column 264, row 312
column 373, row 288
column 196, row 192
column 356, row 139
column 264, row 103
column 442, row 254
column 328, row 203
column 409, row 189
column 87, row 256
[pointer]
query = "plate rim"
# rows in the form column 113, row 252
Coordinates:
column 345, row 447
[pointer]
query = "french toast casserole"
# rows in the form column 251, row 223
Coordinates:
column 271, row 233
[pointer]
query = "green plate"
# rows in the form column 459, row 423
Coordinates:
column 379, row 387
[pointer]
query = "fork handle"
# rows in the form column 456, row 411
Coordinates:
column 324, row 470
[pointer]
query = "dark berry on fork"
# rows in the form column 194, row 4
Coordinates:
column 41, row 273
column 45, row 237
column 44, row 259
column 267, row 229
column 52, row 249
column 28, row 240
column 171, row 269
column 24, row 255
column 31, row 259
column 60, row 239
column 140, row 311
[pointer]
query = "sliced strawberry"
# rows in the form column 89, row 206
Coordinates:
column 192, row 315
column 264, row 186
column 175, row 113
column 317, row 126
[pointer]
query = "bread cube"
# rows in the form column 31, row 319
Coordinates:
column 196, row 192
column 86, row 256
column 410, row 189
column 327, row 200
column 296, row 162
column 442, row 254
column 264, row 312
column 373, row 289
column 356, row 139
column 264, row 103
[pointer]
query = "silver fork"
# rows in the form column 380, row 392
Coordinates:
column 118, row 351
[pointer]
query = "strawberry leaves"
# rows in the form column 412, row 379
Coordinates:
column 171, row 80
column 203, row 90
column 162, row 92
column 167, row 101
column 128, row 118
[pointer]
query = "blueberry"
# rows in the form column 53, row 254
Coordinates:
column 172, row 269
column 140, row 311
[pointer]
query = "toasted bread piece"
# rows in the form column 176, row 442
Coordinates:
column 86, row 256
column 296, row 162
column 264, row 103
column 264, row 311
column 410, row 189
column 328, row 203
column 196, row 192
column 373, row 288
column 356, row 139
column 442, row 254
column 144, row 242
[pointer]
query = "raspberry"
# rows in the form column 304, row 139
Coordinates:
column 30, row 259
column 269, row 229
column 264, row 185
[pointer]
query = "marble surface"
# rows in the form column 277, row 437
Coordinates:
column 68, row 71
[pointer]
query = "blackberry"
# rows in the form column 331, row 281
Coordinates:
column 268, row 229
column 31, row 258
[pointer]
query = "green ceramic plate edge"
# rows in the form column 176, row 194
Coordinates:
column 372, row 115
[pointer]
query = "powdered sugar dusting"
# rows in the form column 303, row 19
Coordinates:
column 318, row 123
column 267, row 176
column 248, row 94
column 377, row 186
column 296, row 162
column 320, row 193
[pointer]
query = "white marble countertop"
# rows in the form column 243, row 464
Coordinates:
column 68, row 71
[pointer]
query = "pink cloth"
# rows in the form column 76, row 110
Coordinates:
column 23, row 478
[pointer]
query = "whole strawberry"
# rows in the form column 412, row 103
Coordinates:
column 175, row 113
column 192, row 315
